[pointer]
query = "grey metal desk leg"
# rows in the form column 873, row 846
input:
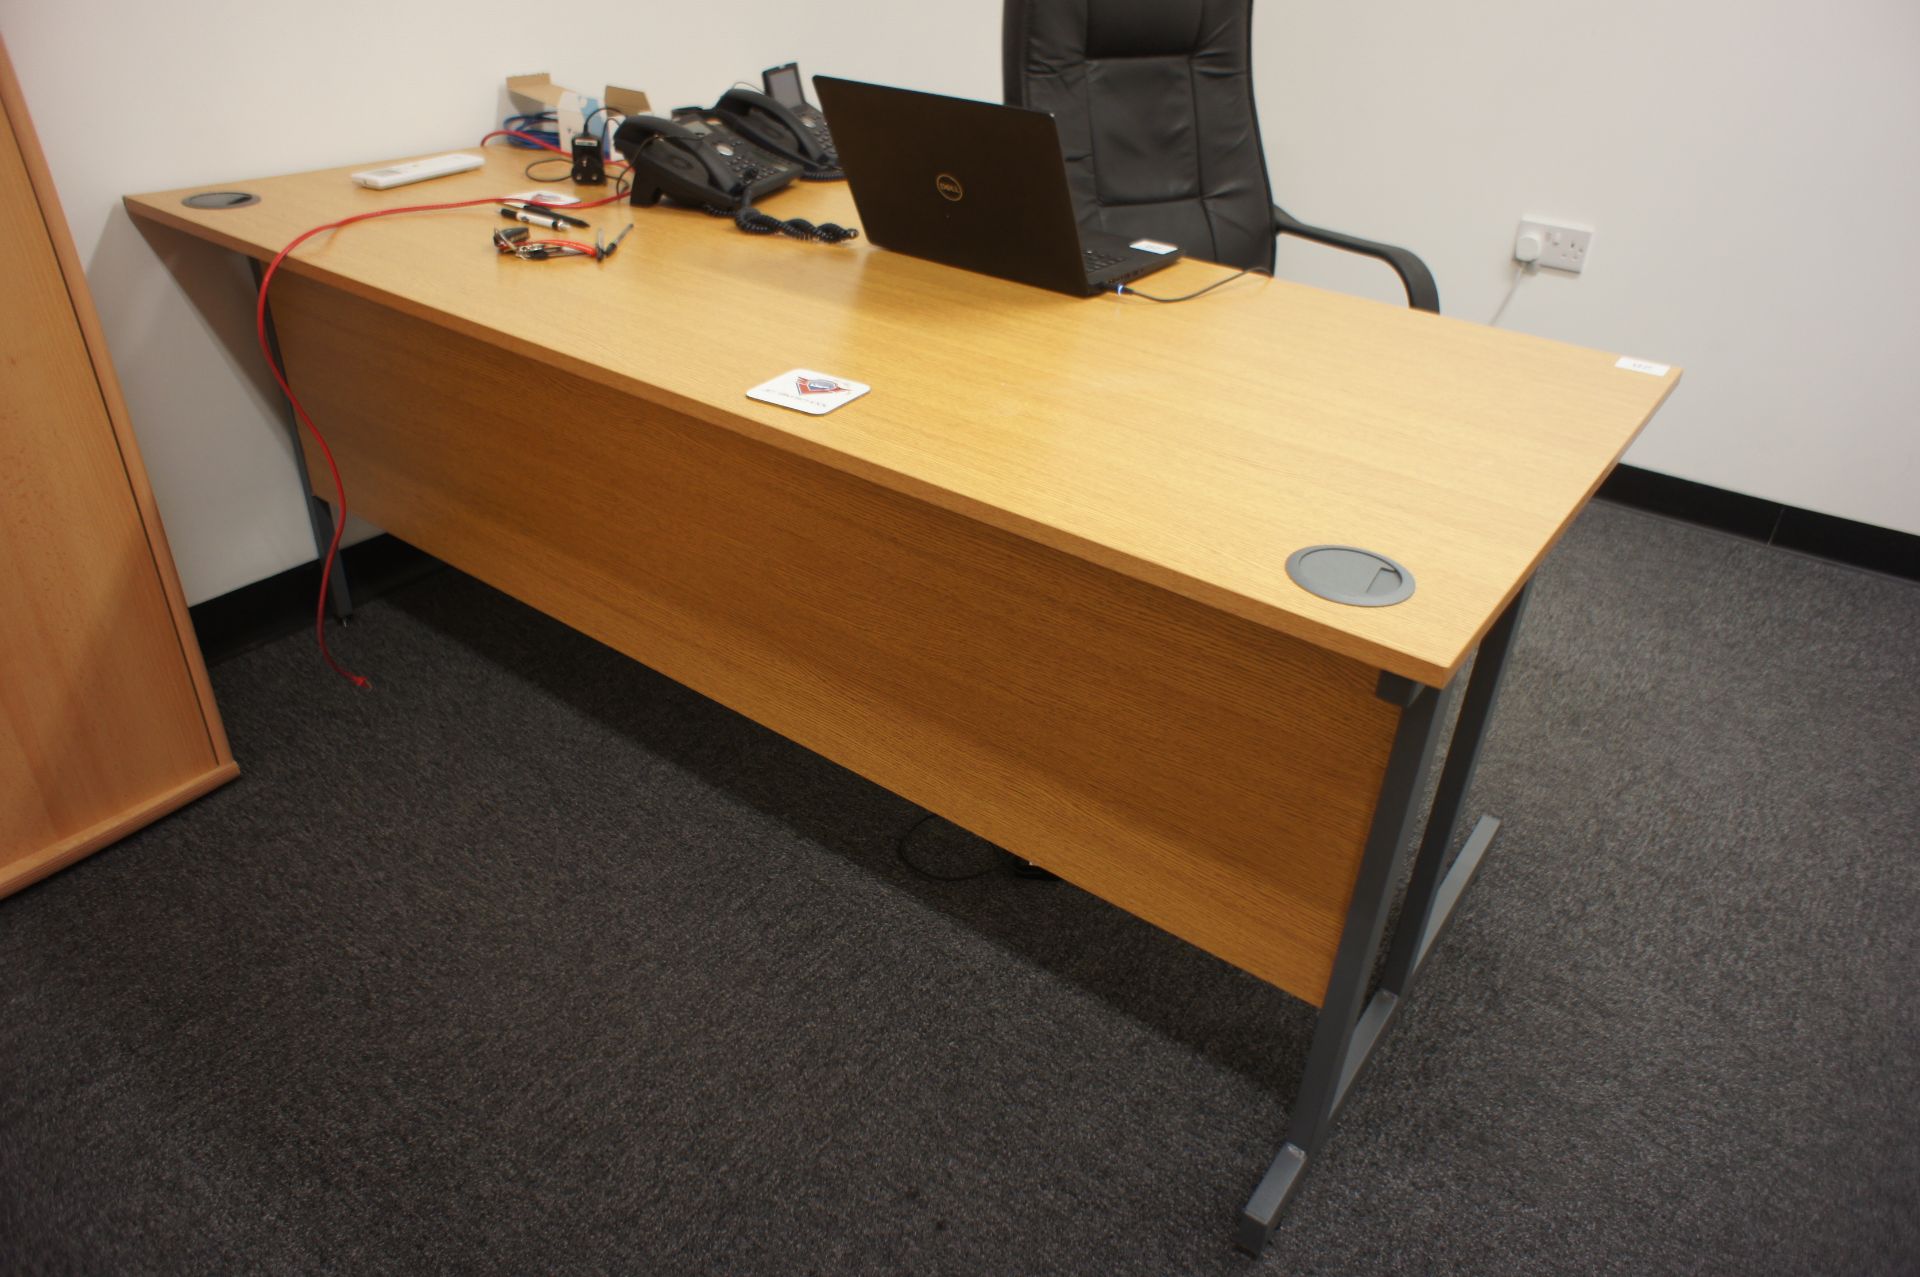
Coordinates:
column 1345, row 1035
column 319, row 512
column 1428, row 908
column 1336, row 1052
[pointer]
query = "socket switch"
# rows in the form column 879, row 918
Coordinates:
column 1552, row 244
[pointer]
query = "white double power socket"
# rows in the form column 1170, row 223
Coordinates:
column 1553, row 244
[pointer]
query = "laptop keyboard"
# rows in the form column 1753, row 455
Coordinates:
column 1097, row 260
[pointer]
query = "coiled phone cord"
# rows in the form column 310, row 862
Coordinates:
column 755, row 222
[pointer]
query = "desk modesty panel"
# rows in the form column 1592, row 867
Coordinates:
column 1200, row 771
column 1192, row 447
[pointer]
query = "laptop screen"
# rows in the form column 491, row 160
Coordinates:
column 970, row 184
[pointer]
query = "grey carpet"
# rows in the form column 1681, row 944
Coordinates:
column 532, row 961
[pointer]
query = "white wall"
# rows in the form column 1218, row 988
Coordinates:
column 1721, row 150
column 1750, row 169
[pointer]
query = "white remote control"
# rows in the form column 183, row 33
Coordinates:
column 381, row 179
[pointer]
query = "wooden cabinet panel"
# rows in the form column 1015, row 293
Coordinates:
column 105, row 717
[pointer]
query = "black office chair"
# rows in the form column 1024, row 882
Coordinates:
column 1154, row 99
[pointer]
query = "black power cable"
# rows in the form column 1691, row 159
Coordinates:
column 900, row 850
column 1125, row 291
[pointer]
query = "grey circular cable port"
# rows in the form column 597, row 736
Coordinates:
column 1348, row 574
column 220, row 199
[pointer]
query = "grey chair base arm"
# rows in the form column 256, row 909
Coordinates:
column 1422, row 293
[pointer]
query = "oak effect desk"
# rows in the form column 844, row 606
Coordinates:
column 1035, row 581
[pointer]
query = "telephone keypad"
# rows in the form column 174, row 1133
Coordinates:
column 816, row 124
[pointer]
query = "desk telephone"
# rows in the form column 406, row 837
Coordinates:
column 747, row 145
column 695, row 158
column 783, row 118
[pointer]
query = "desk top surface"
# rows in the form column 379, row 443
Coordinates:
column 1195, row 446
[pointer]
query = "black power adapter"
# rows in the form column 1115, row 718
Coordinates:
column 589, row 168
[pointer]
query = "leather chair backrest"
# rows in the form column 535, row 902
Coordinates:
column 1154, row 100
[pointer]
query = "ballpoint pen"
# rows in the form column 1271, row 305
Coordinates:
column 546, row 217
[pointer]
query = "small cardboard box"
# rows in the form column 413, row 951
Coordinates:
column 532, row 94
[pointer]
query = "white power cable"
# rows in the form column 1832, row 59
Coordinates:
column 1520, row 271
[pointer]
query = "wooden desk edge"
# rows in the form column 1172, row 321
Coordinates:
column 1269, row 615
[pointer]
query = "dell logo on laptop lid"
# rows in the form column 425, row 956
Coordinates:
column 949, row 187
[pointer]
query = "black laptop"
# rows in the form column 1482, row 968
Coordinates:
column 974, row 185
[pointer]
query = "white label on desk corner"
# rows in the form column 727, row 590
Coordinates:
column 805, row 390
column 1644, row 365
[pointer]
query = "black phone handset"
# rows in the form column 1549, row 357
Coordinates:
column 696, row 159
column 799, row 132
column 698, row 162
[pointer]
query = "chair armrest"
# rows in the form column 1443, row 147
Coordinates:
column 1422, row 294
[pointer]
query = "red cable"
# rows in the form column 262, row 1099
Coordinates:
column 280, row 377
